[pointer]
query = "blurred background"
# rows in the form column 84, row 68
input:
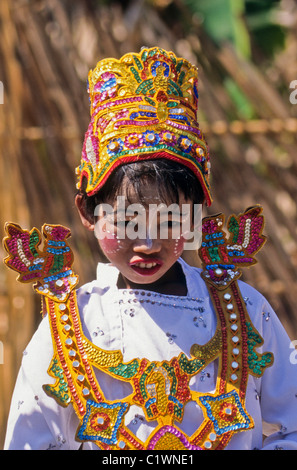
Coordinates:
column 246, row 51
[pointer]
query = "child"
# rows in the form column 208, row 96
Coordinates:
column 153, row 354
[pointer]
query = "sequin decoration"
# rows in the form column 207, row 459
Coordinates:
column 168, row 438
column 49, row 268
column 101, row 422
column 143, row 106
column 160, row 388
column 226, row 412
column 257, row 362
column 60, row 390
column 223, row 257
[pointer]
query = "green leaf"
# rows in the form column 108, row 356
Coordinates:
column 223, row 20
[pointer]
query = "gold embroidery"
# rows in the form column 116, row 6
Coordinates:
column 160, row 388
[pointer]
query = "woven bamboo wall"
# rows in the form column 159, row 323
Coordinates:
column 46, row 50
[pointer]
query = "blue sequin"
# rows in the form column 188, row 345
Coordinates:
column 150, row 402
column 55, row 251
column 58, row 276
column 108, row 84
column 56, row 243
column 157, row 64
column 207, row 400
column 36, row 267
column 176, row 401
column 93, row 408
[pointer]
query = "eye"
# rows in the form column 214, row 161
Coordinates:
column 174, row 223
column 121, row 223
column 133, row 224
column 170, row 223
column 130, row 224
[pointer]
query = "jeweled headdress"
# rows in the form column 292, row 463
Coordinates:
column 143, row 107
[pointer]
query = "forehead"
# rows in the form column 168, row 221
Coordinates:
column 148, row 192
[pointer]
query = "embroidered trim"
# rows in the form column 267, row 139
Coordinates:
column 160, row 388
column 143, row 106
column 223, row 257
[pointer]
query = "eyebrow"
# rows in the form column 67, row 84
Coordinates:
column 160, row 209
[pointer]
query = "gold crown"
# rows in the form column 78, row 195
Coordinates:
column 143, row 107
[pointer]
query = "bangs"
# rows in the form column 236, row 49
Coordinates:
column 167, row 178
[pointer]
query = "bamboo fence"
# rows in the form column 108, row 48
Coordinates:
column 46, row 50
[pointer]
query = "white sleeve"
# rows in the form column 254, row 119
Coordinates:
column 27, row 428
column 36, row 421
column 279, row 384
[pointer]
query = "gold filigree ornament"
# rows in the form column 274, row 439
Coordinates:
column 143, row 107
column 160, row 388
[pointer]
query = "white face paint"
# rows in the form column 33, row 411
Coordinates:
column 144, row 239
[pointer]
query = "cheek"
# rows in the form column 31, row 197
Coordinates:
column 178, row 246
column 108, row 241
column 110, row 244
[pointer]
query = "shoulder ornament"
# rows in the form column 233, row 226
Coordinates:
column 160, row 388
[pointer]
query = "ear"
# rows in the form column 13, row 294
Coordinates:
column 87, row 220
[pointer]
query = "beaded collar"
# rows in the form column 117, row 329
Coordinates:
column 160, row 388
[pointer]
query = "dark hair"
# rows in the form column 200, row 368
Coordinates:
column 168, row 176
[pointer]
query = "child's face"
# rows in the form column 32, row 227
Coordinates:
column 144, row 244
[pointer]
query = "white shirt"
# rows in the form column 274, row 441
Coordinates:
column 145, row 324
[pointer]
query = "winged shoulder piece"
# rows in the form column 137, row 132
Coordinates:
column 223, row 255
column 49, row 267
column 160, row 388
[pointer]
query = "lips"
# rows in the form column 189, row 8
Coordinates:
column 146, row 267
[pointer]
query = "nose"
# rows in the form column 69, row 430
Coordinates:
column 147, row 246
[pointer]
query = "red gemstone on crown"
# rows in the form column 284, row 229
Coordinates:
column 162, row 97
